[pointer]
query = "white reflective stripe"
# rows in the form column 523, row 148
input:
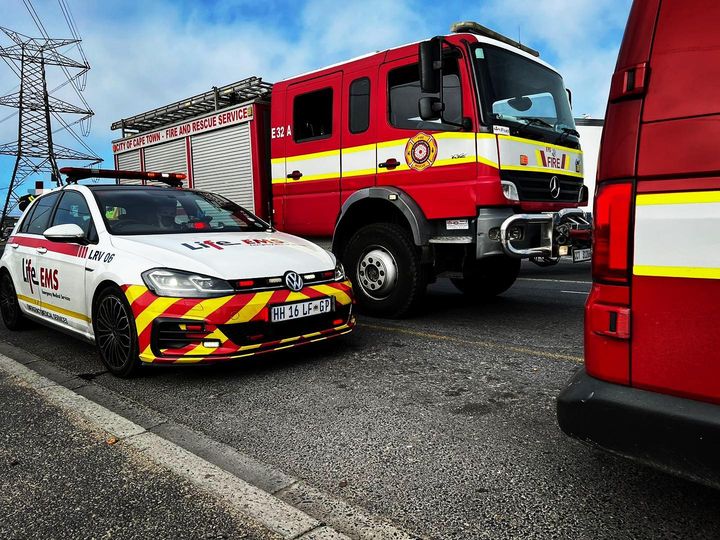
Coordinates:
column 356, row 163
column 487, row 149
column 678, row 240
column 321, row 166
column 277, row 170
column 558, row 159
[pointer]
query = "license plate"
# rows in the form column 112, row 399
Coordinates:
column 298, row 310
column 581, row 255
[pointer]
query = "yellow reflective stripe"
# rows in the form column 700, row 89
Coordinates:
column 303, row 157
column 158, row 306
column 538, row 158
column 542, row 144
column 294, row 296
column 207, row 307
column 358, row 172
column 278, row 180
column 687, row 197
column 53, row 308
column 277, row 160
column 355, row 149
column 540, row 169
column 201, row 350
column 253, row 307
column 453, row 135
column 677, row 272
column 133, row 292
column 339, row 295
column 147, row 355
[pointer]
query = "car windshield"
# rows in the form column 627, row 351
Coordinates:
column 172, row 211
column 515, row 89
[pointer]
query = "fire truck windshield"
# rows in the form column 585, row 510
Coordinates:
column 516, row 90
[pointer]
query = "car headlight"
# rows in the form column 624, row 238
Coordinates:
column 339, row 272
column 180, row 284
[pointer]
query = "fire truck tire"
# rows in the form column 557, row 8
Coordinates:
column 115, row 333
column 489, row 277
column 384, row 266
column 12, row 316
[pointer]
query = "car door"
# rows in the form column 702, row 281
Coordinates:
column 62, row 267
column 359, row 148
column 26, row 246
column 312, row 156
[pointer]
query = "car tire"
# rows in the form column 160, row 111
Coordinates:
column 12, row 315
column 384, row 266
column 487, row 278
column 115, row 333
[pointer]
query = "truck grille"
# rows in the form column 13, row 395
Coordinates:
column 534, row 186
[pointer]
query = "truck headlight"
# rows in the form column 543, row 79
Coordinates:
column 164, row 282
column 510, row 190
column 339, row 272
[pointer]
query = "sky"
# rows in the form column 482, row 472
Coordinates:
column 144, row 54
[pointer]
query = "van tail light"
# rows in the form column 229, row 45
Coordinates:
column 611, row 233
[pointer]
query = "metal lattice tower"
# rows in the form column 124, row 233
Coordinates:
column 35, row 151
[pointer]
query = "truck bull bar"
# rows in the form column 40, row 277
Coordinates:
column 568, row 227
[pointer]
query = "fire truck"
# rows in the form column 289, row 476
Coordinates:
column 454, row 157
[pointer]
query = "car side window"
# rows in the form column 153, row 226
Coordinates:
column 73, row 209
column 38, row 222
column 404, row 95
column 359, row 105
column 312, row 115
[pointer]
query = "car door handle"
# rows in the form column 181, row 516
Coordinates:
column 389, row 164
column 295, row 175
column 41, row 250
column 14, row 246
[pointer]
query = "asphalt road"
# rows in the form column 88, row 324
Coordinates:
column 443, row 424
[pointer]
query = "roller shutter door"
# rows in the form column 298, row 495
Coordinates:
column 129, row 161
column 167, row 157
column 222, row 163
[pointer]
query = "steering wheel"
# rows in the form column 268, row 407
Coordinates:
column 125, row 222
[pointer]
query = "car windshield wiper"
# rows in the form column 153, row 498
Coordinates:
column 531, row 120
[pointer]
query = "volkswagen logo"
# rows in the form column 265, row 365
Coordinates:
column 293, row 281
column 554, row 187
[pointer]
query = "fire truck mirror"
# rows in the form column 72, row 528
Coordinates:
column 431, row 108
column 431, row 65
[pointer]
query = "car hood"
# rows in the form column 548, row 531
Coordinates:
column 229, row 255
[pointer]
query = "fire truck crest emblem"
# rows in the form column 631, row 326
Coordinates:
column 421, row 151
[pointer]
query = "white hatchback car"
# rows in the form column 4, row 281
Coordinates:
column 154, row 274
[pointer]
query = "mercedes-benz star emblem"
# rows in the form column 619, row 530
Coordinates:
column 293, row 281
column 554, row 187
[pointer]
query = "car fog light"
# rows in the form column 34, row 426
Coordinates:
column 515, row 233
column 563, row 250
column 494, row 234
column 211, row 343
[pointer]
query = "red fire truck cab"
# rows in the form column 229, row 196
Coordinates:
column 455, row 157
column 650, row 388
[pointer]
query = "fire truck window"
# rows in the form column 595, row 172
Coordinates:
column 312, row 115
column 359, row 105
column 37, row 222
column 404, row 97
column 73, row 209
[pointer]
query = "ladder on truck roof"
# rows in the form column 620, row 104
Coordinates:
column 207, row 102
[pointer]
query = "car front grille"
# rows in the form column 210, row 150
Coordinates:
column 533, row 186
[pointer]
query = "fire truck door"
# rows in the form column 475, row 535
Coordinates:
column 312, row 156
column 359, row 137
column 433, row 161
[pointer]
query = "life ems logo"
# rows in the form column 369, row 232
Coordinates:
column 421, row 151
column 222, row 244
column 48, row 276
column 549, row 158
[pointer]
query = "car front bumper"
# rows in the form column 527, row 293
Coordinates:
column 676, row 435
column 193, row 330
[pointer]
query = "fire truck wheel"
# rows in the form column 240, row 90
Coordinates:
column 9, row 306
column 384, row 266
column 488, row 277
column 115, row 333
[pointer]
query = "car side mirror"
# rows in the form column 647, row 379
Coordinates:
column 69, row 232
column 431, row 108
column 430, row 53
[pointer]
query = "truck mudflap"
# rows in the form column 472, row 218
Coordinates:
column 563, row 233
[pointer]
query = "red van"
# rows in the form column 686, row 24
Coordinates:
column 650, row 388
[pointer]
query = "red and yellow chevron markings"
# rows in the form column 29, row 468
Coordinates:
column 233, row 309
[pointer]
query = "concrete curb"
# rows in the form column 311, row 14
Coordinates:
column 283, row 504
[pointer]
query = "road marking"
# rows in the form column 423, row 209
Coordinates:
column 272, row 512
column 486, row 344
column 554, row 280
column 576, row 292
